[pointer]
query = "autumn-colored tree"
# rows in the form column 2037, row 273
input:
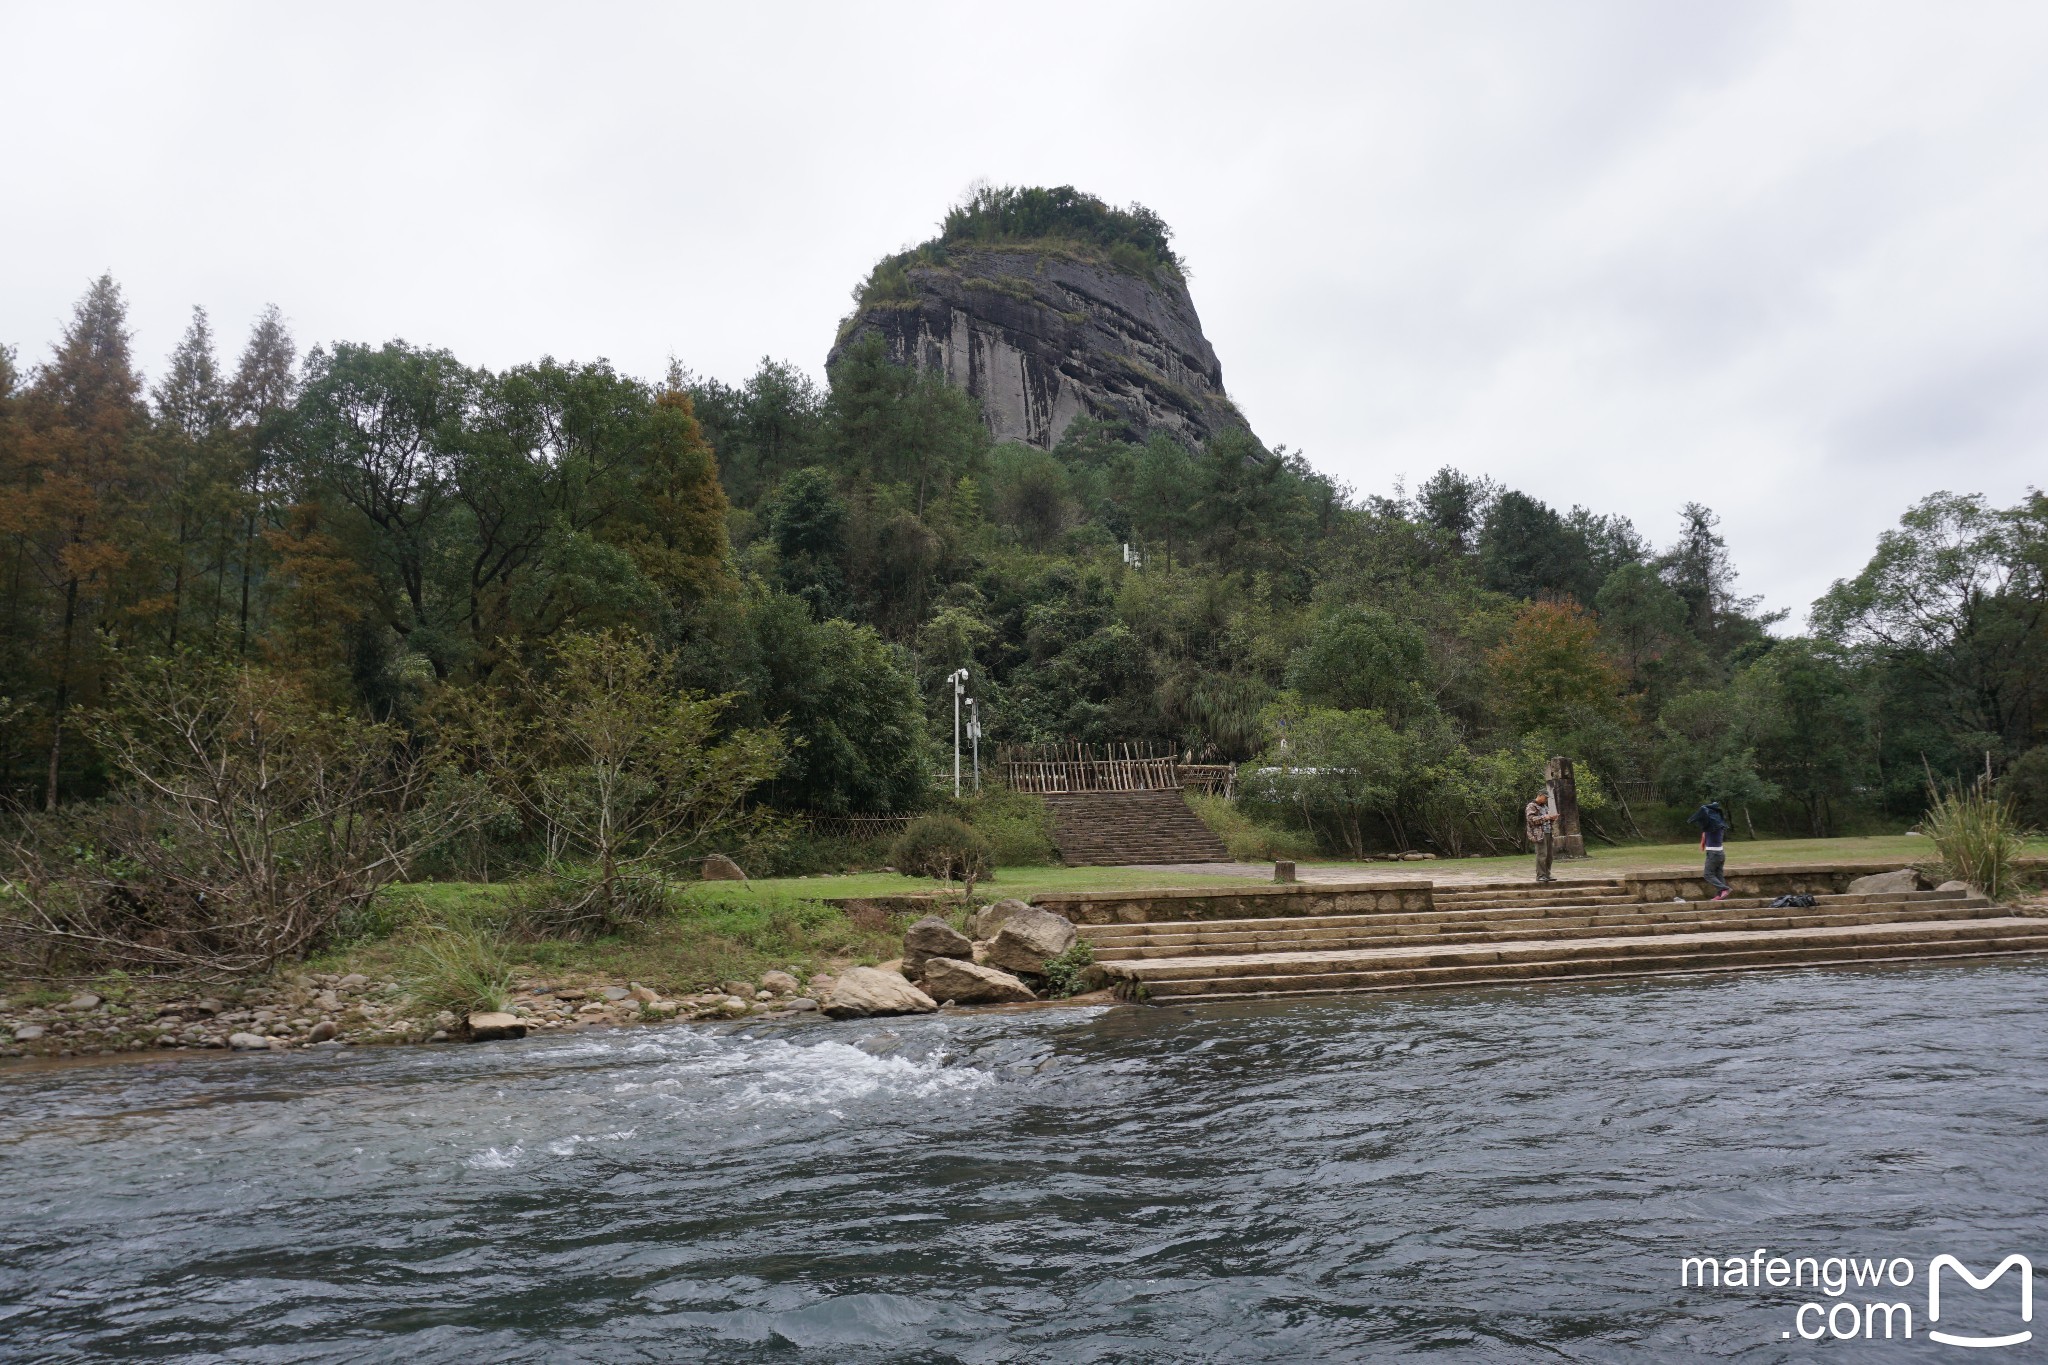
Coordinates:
column 320, row 608
column 1551, row 672
column 81, row 491
column 678, row 537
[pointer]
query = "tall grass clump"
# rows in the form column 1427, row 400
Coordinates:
column 1977, row 834
column 1248, row 839
column 1017, row 825
column 462, row 970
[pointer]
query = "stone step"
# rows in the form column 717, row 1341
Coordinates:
column 1107, row 829
column 1307, row 940
column 1349, row 969
column 1124, row 935
column 1593, row 968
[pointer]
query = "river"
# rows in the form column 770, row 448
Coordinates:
column 1499, row 1174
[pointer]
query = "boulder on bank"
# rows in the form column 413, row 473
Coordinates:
column 245, row 1042
column 779, row 983
column 963, row 983
column 488, row 1026
column 1953, row 885
column 932, row 937
column 990, row 918
column 1886, row 883
column 1028, row 938
column 862, row 992
column 719, row 868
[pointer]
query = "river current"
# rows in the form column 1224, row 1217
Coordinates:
column 1500, row 1174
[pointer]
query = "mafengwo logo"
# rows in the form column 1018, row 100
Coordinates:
column 1862, row 1299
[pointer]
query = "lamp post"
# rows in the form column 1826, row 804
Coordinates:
column 958, row 677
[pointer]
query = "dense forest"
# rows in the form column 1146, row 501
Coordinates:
column 384, row 529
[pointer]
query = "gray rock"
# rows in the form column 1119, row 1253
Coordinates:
column 963, row 983
column 719, row 868
column 1042, row 338
column 1953, row 885
column 488, row 1026
column 803, row 1004
column 781, row 983
column 328, row 1001
column 862, row 992
column 81, row 1002
column 1883, row 883
column 990, row 918
column 354, row 981
column 248, row 1042
column 323, row 1030
column 1028, row 938
column 28, row 1033
column 932, row 937
column 616, row 993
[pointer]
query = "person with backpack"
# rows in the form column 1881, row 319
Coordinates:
column 1713, row 823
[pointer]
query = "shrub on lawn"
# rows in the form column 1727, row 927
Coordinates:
column 942, row 848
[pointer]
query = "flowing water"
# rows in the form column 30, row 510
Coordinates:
column 1507, row 1174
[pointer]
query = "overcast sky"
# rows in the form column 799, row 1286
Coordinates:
column 1789, row 260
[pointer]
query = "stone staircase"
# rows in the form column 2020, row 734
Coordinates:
column 1522, row 932
column 1112, row 829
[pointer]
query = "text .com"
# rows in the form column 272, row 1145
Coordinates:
column 1861, row 1298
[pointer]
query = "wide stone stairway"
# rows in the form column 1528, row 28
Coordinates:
column 1519, row 932
column 1115, row 829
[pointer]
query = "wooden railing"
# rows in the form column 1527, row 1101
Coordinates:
column 1056, row 769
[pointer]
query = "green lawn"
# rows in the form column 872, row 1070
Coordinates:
column 1009, row 881
column 1605, row 861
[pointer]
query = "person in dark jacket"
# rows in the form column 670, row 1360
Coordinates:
column 1713, row 823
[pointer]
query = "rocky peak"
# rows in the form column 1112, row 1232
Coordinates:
column 1047, row 327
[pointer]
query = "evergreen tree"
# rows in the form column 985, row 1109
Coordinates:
column 83, row 491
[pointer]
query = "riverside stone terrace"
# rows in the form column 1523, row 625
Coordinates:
column 1198, row 943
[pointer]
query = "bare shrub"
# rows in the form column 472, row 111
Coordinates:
column 246, row 821
column 622, row 774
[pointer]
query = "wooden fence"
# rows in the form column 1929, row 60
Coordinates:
column 857, row 826
column 1051, row 770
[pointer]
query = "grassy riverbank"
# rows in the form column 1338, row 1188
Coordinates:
column 422, row 945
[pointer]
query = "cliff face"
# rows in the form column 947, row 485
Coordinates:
column 1042, row 337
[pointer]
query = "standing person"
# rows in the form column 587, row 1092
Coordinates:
column 1538, row 816
column 1713, row 823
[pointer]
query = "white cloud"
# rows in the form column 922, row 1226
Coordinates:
column 1785, row 260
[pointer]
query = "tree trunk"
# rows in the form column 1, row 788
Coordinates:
column 63, row 698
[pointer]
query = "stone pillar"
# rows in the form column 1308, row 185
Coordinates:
column 1564, row 799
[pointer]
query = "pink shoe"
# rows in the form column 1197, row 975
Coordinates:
column 1722, row 897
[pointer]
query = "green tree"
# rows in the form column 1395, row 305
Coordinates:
column 1361, row 658
column 1956, row 601
column 1527, row 550
column 807, row 525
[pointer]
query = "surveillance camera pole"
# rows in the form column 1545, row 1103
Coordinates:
column 959, row 681
column 974, row 737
